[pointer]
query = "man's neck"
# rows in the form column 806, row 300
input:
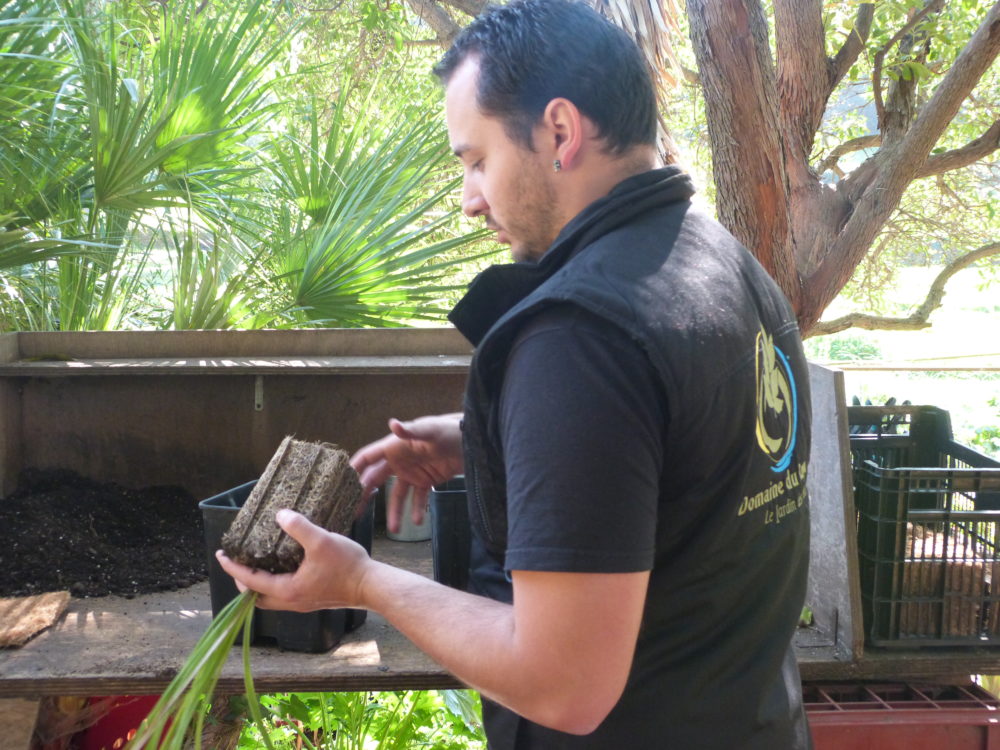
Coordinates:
column 602, row 174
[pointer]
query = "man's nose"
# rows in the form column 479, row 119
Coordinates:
column 473, row 203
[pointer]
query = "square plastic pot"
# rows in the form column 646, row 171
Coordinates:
column 450, row 533
column 312, row 632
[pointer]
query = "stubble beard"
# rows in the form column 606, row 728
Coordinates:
column 533, row 224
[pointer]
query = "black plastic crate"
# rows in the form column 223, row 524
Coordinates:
column 312, row 632
column 909, row 435
column 928, row 530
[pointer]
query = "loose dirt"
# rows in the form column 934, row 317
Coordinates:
column 61, row 531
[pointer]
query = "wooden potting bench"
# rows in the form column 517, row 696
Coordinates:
column 212, row 406
column 118, row 646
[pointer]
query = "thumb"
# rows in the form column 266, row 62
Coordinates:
column 405, row 430
column 299, row 528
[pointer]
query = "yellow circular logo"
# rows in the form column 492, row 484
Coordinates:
column 777, row 406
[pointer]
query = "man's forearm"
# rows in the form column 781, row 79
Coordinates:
column 554, row 659
column 559, row 656
column 470, row 636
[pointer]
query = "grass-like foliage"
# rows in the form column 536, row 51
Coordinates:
column 185, row 699
column 448, row 720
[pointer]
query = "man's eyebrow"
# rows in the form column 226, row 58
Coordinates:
column 460, row 149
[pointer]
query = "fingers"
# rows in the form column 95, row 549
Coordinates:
column 401, row 429
column 424, row 428
column 418, row 508
column 372, row 461
column 397, row 505
column 372, row 453
column 421, row 452
column 247, row 578
column 374, row 476
column 296, row 526
column 394, row 505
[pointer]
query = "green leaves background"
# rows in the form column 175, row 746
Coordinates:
column 166, row 166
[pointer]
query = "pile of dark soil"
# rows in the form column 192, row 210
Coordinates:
column 62, row 531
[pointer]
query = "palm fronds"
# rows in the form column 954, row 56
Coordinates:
column 148, row 178
column 374, row 251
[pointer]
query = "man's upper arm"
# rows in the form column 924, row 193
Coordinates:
column 582, row 420
column 578, row 632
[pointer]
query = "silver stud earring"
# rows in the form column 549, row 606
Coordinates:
column 557, row 165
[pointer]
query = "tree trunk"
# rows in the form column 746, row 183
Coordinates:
column 731, row 43
column 810, row 237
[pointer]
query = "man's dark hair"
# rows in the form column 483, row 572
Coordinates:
column 533, row 51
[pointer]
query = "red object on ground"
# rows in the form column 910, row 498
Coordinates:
column 901, row 716
column 115, row 728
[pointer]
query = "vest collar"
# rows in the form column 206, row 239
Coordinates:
column 498, row 288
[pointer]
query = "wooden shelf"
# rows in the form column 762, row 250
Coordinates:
column 441, row 364
column 937, row 665
column 118, row 646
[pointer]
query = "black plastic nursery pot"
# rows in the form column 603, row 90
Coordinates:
column 450, row 533
column 311, row 632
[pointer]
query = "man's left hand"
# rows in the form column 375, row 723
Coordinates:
column 329, row 577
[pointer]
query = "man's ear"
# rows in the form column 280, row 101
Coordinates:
column 562, row 131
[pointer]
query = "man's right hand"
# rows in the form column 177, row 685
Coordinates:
column 420, row 453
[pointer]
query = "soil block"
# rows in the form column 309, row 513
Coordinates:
column 314, row 479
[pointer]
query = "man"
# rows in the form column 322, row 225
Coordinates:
column 635, row 432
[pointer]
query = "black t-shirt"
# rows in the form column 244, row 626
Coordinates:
column 583, row 422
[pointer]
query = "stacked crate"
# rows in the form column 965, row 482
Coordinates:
column 928, row 530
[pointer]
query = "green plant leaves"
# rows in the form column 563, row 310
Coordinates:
column 374, row 251
column 183, row 702
column 211, row 88
column 160, row 171
column 369, row 721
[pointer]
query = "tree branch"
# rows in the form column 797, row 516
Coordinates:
column 469, row 7
column 868, row 323
column 437, row 18
column 887, row 176
column 969, row 67
column 968, row 154
column 802, row 72
column 921, row 316
column 852, row 46
column 932, row 6
column 848, row 147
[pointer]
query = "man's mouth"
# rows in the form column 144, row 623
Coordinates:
column 501, row 235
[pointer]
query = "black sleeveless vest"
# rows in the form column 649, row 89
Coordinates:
column 732, row 534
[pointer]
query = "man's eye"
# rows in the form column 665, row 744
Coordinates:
column 477, row 166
